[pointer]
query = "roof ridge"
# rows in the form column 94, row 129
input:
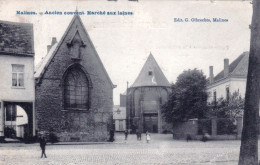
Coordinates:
column 158, row 78
column 96, row 54
column 57, row 47
column 17, row 23
column 232, row 67
column 62, row 40
column 244, row 54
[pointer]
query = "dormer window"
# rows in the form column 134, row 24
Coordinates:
column 150, row 73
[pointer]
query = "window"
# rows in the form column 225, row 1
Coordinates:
column 76, row 89
column 121, row 125
column 227, row 93
column 150, row 73
column 17, row 75
column 10, row 113
column 209, row 94
column 215, row 98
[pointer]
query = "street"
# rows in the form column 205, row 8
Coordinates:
column 162, row 149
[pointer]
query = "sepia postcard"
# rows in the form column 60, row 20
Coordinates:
column 123, row 81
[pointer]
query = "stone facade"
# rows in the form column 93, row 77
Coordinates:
column 89, row 118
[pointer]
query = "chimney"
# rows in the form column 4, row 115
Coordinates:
column 211, row 75
column 48, row 48
column 53, row 41
column 226, row 67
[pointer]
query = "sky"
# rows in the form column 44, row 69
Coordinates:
column 124, row 42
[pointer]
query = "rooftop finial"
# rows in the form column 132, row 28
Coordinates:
column 76, row 8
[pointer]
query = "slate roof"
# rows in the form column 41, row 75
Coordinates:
column 238, row 68
column 42, row 64
column 157, row 78
column 16, row 38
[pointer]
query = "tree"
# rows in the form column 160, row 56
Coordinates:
column 231, row 108
column 188, row 98
column 249, row 140
column 226, row 111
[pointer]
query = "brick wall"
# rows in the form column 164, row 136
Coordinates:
column 74, row 125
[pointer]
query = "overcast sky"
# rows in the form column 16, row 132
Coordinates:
column 124, row 42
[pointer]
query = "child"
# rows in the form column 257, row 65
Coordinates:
column 148, row 137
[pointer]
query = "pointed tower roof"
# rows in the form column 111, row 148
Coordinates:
column 151, row 75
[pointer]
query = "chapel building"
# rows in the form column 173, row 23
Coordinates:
column 74, row 94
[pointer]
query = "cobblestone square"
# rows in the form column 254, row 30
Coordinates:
column 162, row 149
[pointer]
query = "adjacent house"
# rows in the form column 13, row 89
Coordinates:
column 74, row 94
column 232, row 78
column 17, row 93
column 119, row 114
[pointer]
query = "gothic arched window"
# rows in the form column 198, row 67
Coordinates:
column 76, row 89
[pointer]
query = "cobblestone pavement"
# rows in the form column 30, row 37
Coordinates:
column 161, row 150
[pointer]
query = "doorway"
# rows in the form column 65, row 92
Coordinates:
column 18, row 119
column 151, row 123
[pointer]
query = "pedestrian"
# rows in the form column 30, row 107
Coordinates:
column 126, row 134
column 140, row 136
column 205, row 137
column 137, row 134
column 188, row 138
column 148, row 137
column 42, row 145
column 112, row 134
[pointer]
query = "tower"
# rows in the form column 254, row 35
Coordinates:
column 145, row 98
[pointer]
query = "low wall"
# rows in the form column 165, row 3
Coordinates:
column 191, row 128
column 181, row 130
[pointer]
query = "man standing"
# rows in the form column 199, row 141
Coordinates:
column 42, row 145
column 112, row 134
column 126, row 134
